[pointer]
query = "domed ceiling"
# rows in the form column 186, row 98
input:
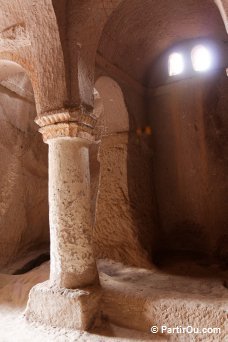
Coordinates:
column 140, row 30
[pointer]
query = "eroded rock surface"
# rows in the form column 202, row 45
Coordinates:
column 23, row 181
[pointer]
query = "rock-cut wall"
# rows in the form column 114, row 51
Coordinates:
column 24, row 174
column 124, row 220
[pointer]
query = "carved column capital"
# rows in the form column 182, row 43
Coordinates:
column 63, row 123
column 66, row 130
column 66, row 115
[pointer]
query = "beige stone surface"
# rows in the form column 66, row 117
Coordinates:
column 135, row 47
column 190, row 165
column 133, row 297
column 138, row 298
column 29, row 36
column 154, row 182
column 124, row 216
column 72, row 260
column 116, row 233
column 57, row 46
column 71, row 309
column 14, row 291
column 23, row 181
column 114, row 117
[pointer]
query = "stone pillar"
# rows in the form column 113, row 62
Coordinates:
column 73, row 287
column 72, row 262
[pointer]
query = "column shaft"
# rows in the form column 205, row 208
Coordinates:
column 72, row 261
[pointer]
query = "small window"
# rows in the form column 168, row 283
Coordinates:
column 201, row 58
column 176, row 64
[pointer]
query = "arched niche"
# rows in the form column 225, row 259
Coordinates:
column 24, row 228
column 114, row 116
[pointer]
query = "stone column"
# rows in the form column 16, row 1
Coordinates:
column 73, row 287
column 72, row 261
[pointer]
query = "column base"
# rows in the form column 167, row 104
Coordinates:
column 65, row 308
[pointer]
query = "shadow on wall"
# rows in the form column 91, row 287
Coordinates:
column 190, row 158
column 24, row 224
column 121, row 183
column 215, row 102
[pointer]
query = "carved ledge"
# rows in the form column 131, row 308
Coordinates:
column 65, row 115
column 66, row 130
